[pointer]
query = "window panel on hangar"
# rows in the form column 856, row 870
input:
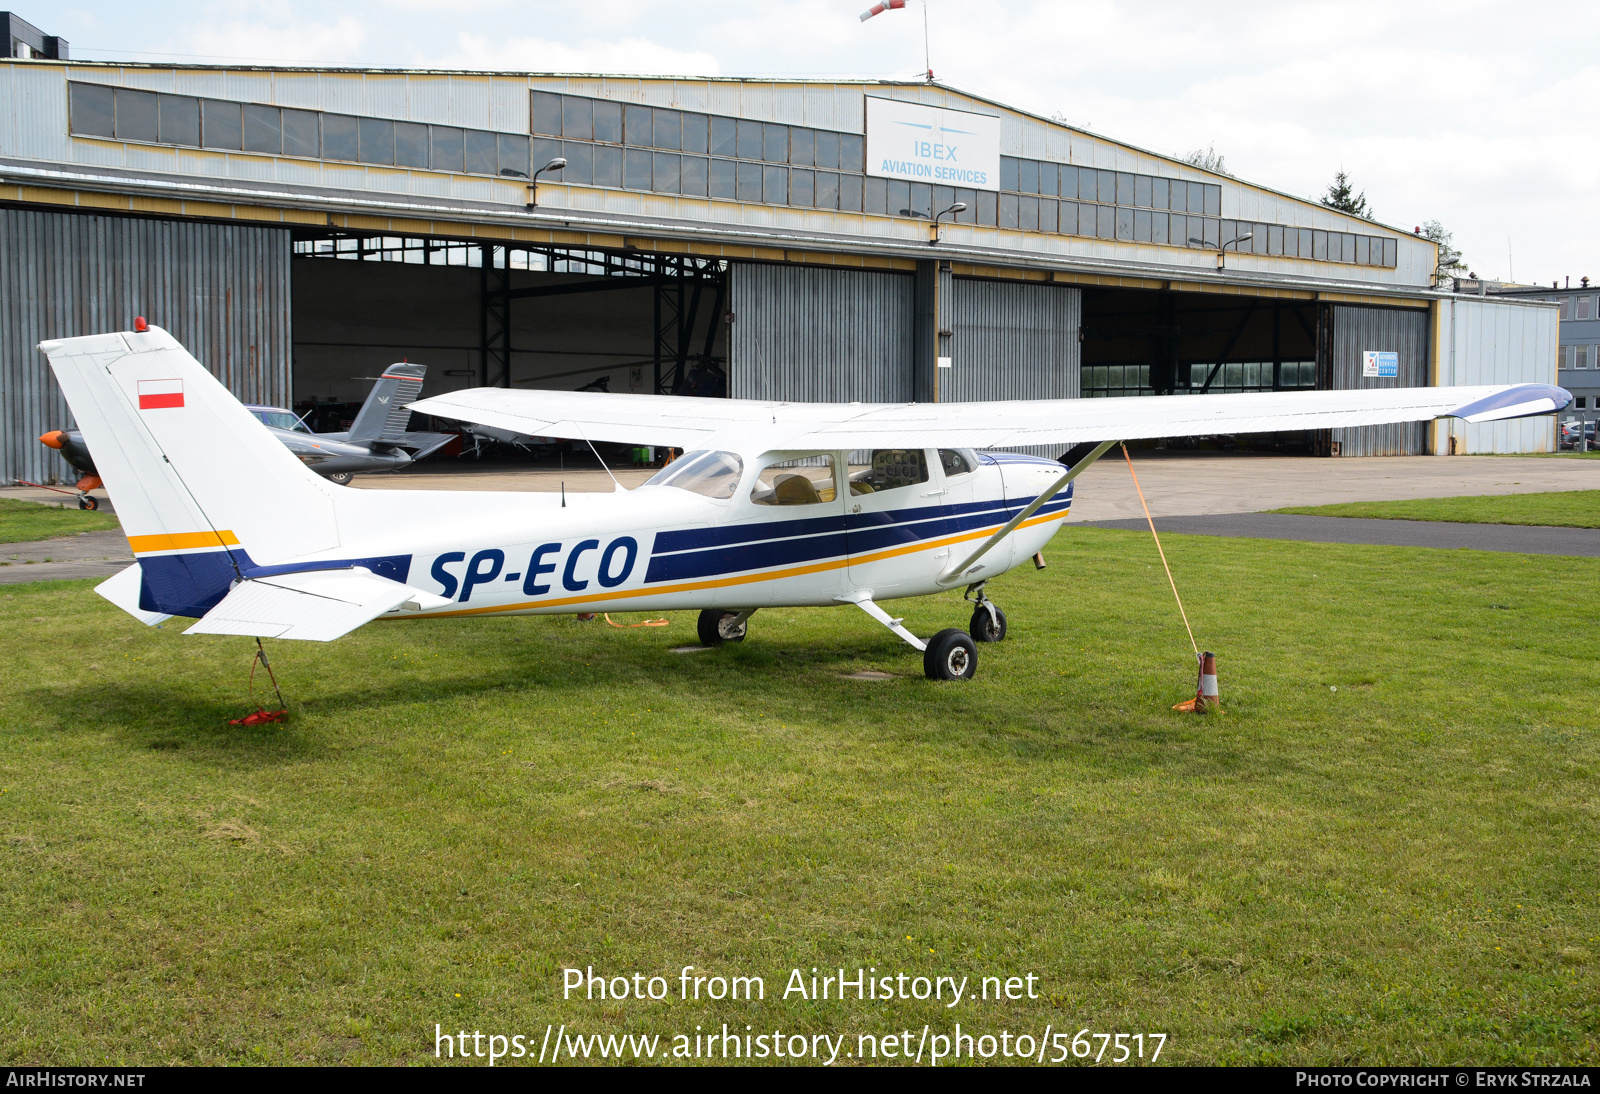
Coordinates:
column 180, row 121
column 137, row 116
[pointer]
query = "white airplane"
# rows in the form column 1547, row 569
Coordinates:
column 765, row 507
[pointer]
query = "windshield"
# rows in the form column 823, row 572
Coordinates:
column 282, row 419
column 713, row 474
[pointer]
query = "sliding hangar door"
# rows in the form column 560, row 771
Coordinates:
column 808, row 333
column 220, row 289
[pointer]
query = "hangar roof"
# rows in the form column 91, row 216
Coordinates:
column 740, row 164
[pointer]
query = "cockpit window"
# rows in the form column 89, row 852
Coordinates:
column 891, row 468
column 806, row 481
column 955, row 462
column 282, row 419
column 712, row 474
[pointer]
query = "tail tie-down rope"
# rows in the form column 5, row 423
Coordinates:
column 1205, row 697
column 262, row 715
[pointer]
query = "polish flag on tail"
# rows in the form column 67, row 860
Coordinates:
column 160, row 394
column 879, row 9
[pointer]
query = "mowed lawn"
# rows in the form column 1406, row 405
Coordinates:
column 1385, row 852
column 1571, row 508
column 21, row 521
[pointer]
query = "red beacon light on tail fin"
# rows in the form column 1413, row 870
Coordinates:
column 139, row 324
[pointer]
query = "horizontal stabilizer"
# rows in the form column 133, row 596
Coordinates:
column 419, row 444
column 123, row 591
column 312, row 606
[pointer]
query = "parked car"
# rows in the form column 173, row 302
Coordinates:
column 1571, row 431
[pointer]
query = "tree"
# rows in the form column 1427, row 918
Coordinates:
column 1339, row 197
column 1451, row 262
column 1207, row 159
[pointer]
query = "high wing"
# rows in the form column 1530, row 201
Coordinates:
column 685, row 422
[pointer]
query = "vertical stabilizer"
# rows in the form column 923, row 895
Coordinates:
column 383, row 417
column 203, row 490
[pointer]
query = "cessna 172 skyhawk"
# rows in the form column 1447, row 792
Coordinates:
column 761, row 510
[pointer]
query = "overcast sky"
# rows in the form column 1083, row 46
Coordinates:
column 1481, row 115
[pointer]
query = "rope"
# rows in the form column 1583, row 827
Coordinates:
column 644, row 623
column 261, row 714
column 261, row 655
column 1163, row 554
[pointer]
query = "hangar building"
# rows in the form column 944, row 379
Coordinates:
column 298, row 228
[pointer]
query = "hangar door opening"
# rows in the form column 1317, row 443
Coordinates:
column 1143, row 342
column 503, row 315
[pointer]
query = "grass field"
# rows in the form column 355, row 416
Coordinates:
column 1571, row 508
column 1386, row 850
column 21, row 521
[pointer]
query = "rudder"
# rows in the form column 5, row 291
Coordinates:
column 383, row 417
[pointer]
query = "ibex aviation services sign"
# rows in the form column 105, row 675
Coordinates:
column 931, row 144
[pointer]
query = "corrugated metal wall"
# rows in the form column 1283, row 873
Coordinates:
column 1396, row 330
column 1488, row 341
column 1012, row 340
column 220, row 289
column 820, row 335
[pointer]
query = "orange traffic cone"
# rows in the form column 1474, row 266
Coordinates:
column 1206, row 697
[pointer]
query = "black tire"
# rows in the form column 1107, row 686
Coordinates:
column 985, row 629
column 340, row 478
column 716, row 626
column 951, row 655
column 86, row 502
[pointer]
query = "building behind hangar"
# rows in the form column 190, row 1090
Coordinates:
column 298, row 228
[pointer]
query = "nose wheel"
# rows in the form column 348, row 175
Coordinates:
column 988, row 621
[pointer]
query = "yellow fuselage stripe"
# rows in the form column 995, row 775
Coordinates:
column 748, row 579
column 182, row 541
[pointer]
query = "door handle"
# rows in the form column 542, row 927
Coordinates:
column 936, row 493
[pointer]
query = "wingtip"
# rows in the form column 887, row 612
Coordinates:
column 1516, row 401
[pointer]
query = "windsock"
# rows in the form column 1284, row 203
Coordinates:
column 880, row 8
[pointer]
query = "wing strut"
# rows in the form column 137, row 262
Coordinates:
column 953, row 574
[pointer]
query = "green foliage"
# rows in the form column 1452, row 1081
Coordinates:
column 1397, row 871
column 1570, row 508
column 1341, row 196
column 1208, row 159
column 1451, row 263
column 21, row 521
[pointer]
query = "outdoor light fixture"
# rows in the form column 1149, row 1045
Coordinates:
column 1220, row 250
column 958, row 207
column 533, row 186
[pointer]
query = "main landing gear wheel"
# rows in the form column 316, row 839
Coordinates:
column 986, row 628
column 341, row 478
column 716, row 626
column 87, row 502
column 951, row 655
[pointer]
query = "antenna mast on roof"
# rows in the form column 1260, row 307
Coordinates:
column 891, row 5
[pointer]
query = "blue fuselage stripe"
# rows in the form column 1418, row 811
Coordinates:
column 868, row 532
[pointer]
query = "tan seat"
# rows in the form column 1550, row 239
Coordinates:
column 795, row 490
